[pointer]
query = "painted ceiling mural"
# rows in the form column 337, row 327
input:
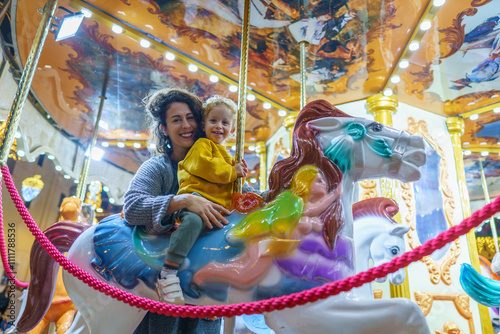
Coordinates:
column 354, row 50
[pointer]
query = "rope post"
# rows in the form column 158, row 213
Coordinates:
column 242, row 98
column 26, row 79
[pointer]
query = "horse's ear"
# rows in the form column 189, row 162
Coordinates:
column 400, row 230
column 324, row 124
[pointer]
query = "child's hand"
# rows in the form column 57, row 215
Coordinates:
column 241, row 168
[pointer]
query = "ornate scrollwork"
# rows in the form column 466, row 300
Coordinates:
column 437, row 271
column 425, row 300
column 369, row 189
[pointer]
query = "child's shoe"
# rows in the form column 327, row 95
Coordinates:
column 169, row 290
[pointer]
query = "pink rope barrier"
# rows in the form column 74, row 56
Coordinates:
column 3, row 252
column 268, row 305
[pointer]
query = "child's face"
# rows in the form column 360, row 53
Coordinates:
column 218, row 124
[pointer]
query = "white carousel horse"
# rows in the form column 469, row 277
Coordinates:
column 360, row 149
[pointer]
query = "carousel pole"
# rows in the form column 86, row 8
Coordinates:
column 383, row 107
column 82, row 184
column 488, row 200
column 456, row 129
column 242, row 98
column 303, row 101
column 26, row 79
column 262, row 152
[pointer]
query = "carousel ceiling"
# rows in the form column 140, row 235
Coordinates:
column 439, row 56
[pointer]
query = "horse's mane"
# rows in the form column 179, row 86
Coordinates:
column 307, row 151
column 379, row 207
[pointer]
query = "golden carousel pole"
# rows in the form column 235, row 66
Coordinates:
column 383, row 107
column 260, row 149
column 26, row 79
column 487, row 198
column 82, row 184
column 456, row 129
column 242, row 98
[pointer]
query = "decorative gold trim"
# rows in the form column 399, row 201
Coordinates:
column 369, row 189
column 486, row 247
column 425, row 300
column 378, row 293
column 437, row 271
column 279, row 149
column 450, row 327
column 289, row 122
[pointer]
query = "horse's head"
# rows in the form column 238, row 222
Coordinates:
column 386, row 247
column 367, row 149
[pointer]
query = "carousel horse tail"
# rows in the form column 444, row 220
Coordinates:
column 44, row 272
column 484, row 290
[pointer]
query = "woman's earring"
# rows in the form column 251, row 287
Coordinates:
column 168, row 143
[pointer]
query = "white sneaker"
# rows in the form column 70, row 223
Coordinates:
column 169, row 290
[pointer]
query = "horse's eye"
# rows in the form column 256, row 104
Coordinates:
column 376, row 127
column 394, row 250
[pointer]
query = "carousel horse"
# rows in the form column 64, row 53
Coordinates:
column 345, row 150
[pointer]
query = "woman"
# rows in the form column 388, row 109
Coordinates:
column 175, row 122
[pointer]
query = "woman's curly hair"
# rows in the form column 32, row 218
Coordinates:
column 156, row 106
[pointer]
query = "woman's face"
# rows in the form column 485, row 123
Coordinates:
column 180, row 127
column 318, row 186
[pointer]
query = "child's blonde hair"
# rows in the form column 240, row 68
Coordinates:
column 218, row 100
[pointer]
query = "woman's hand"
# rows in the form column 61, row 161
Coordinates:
column 241, row 168
column 211, row 213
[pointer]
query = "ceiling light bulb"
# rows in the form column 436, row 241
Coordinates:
column 214, row 78
column 266, row 105
column 58, row 168
column 21, row 153
column 67, row 177
column 281, row 113
column 192, row 68
column 137, row 145
column 251, row 148
column 387, row 92
column 233, row 147
column 485, row 153
column 251, row 97
column 50, row 157
column 253, row 180
column 233, row 88
column 86, row 12
column 414, row 46
column 496, row 110
column 18, row 134
column 105, row 144
column 467, row 152
column 395, row 78
column 438, row 3
column 117, row 29
column 112, row 200
column 425, row 25
column 474, row 117
column 120, row 145
column 404, row 63
column 145, row 43
column 169, row 56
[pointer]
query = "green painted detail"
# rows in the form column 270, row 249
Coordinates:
column 278, row 218
column 356, row 130
column 339, row 152
column 379, row 146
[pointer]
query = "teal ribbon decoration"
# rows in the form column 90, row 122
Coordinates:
column 340, row 149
